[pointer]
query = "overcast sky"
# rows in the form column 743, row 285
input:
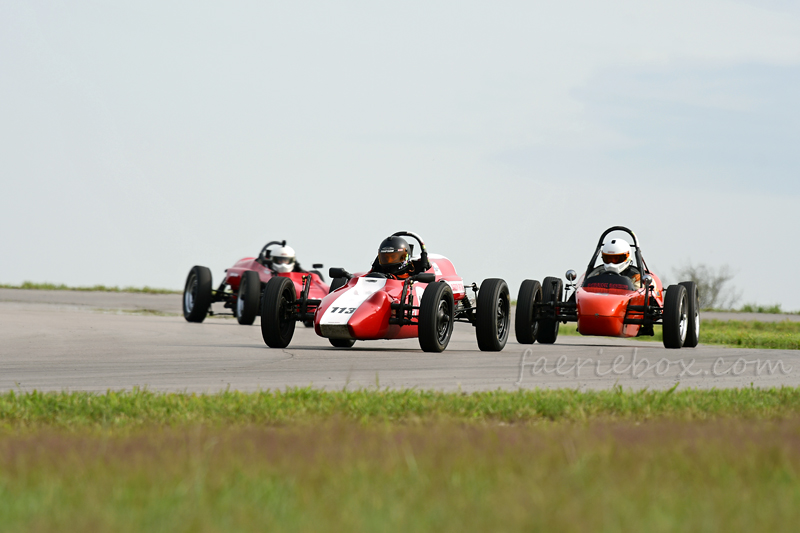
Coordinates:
column 140, row 138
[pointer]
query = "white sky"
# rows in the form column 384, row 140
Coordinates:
column 141, row 138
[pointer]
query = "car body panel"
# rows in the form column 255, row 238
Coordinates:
column 361, row 309
column 233, row 277
column 602, row 310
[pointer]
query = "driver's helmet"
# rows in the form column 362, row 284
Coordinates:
column 282, row 259
column 394, row 256
column 616, row 256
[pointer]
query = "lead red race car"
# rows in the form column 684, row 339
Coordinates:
column 376, row 305
column 619, row 297
column 243, row 284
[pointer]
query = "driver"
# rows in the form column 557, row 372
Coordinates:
column 283, row 259
column 394, row 259
column 617, row 260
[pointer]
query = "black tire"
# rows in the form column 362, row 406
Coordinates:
column 248, row 299
column 526, row 327
column 552, row 289
column 693, row 299
column 493, row 315
column 337, row 282
column 342, row 343
column 676, row 317
column 436, row 317
column 197, row 294
column 318, row 273
column 277, row 312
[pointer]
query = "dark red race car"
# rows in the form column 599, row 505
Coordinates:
column 373, row 305
column 246, row 280
column 608, row 303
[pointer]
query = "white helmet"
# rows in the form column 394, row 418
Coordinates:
column 282, row 259
column 616, row 256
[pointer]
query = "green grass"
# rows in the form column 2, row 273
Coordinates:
column 380, row 460
column 29, row 285
column 661, row 476
column 137, row 408
column 784, row 335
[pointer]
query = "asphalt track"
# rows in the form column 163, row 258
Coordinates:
column 65, row 340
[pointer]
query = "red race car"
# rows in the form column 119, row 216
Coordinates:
column 377, row 305
column 246, row 280
column 619, row 297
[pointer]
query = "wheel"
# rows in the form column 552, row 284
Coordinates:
column 342, row 343
column 248, row 298
column 308, row 323
column 526, row 327
column 552, row 289
column 338, row 282
column 435, row 317
column 318, row 273
column 676, row 316
column 493, row 315
column 277, row 312
column 693, row 310
column 197, row 294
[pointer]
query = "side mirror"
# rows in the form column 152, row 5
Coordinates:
column 317, row 265
column 648, row 280
column 335, row 272
column 571, row 275
column 425, row 277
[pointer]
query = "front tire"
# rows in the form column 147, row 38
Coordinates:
column 676, row 317
column 436, row 317
column 552, row 289
column 693, row 310
column 248, row 298
column 277, row 312
column 197, row 294
column 342, row 343
column 526, row 327
column 493, row 315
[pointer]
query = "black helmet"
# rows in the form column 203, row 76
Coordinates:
column 394, row 255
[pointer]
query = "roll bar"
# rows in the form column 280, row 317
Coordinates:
column 264, row 254
column 423, row 255
column 637, row 252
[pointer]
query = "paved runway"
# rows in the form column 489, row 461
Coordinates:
column 82, row 341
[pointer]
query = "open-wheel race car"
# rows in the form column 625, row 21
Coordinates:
column 246, row 280
column 620, row 297
column 424, row 302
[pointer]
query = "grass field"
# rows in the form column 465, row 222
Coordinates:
column 783, row 335
column 29, row 285
column 126, row 410
column 307, row 460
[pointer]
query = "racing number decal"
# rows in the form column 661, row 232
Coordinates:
column 345, row 310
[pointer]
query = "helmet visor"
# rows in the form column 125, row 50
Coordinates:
column 282, row 260
column 392, row 258
column 615, row 259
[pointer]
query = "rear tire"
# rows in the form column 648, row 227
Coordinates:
column 248, row 298
column 436, row 317
column 676, row 317
column 552, row 289
column 526, row 327
column 493, row 315
column 693, row 311
column 342, row 343
column 277, row 312
column 197, row 294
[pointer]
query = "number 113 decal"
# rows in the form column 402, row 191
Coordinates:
column 344, row 310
